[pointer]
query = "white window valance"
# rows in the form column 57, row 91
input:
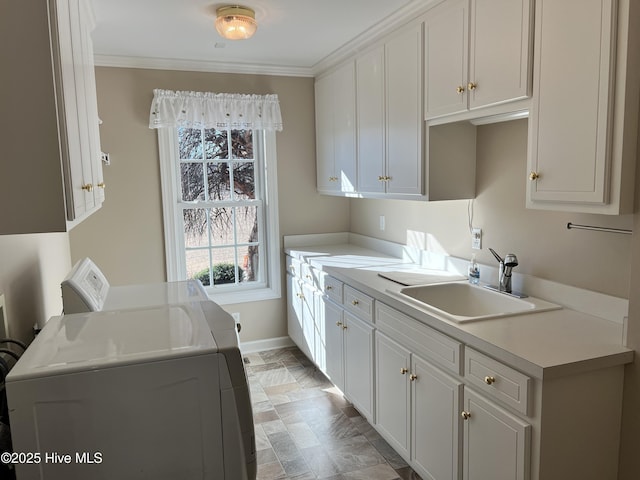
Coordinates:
column 214, row 110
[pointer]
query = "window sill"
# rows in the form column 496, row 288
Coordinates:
column 245, row 296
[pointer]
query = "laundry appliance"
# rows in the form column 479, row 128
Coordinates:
column 157, row 392
column 86, row 289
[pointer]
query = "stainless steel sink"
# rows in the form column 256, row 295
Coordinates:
column 463, row 302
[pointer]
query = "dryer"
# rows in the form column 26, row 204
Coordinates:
column 157, row 392
column 86, row 289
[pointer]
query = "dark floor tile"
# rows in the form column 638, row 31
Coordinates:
column 407, row 473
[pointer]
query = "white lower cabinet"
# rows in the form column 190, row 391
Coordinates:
column 333, row 316
column 436, row 401
column 393, row 393
column 418, row 410
column 496, row 443
column 349, row 356
column 301, row 314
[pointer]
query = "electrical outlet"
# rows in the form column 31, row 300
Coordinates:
column 476, row 238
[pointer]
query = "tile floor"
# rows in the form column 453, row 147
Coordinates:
column 306, row 430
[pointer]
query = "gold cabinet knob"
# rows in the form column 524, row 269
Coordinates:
column 381, row 178
column 308, row 277
column 489, row 380
column 472, row 86
column 300, row 296
column 413, row 377
column 534, row 176
column 465, row 415
column 88, row 187
column 338, row 324
column 355, row 303
column 460, row 89
column 102, row 185
column 328, row 287
column 403, row 370
column 344, row 327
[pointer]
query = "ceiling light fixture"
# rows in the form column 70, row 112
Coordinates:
column 235, row 22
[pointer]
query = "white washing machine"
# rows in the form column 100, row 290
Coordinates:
column 157, row 392
column 86, row 289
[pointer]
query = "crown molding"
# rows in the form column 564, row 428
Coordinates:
column 199, row 66
column 403, row 15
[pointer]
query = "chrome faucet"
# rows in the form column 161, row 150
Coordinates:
column 507, row 264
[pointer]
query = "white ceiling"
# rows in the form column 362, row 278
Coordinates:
column 293, row 36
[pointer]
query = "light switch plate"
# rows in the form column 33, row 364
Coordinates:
column 476, row 238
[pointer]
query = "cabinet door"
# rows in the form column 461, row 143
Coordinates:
column 393, row 393
column 403, row 67
column 336, row 130
column 358, row 364
column 333, row 342
column 499, row 51
column 298, row 316
column 371, row 121
column 496, row 443
column 320, row 355
column 435, row 408
column 308, row 308
column 324, row 136
column 570, row 123
column 344, row 126
column 92, row 104
column 446, row 46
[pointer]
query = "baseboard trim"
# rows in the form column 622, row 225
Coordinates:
column 267, row 344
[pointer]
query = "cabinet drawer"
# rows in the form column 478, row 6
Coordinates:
column 358, row 303
column 332, row 288
column 498, row 380
column 420, row 338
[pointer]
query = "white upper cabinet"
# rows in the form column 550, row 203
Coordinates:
column 389, row 114
column 581, row 140
column 477, row 54
column 336, row 130
column 50, row 129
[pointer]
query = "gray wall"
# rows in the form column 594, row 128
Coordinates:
column 31, row 269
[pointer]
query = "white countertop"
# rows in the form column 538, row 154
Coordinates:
column 544, row 345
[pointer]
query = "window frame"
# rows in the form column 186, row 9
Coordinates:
column 266, row 176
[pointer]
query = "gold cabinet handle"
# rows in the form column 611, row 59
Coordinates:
column 328, row 287
column 102, row 185
column 381, row 178
column 534, row 176
column 489, row 380
column 344, row 327
column 460, row 89
column 355, row 303
column 413, row 377
column 472, row 86
column 88, row 187
column 465, row 415
column 404, row 371
column 300, row 296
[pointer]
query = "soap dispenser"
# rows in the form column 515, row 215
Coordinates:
column 474, row 271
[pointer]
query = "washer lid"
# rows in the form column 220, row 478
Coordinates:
column 94, row 340
column 154, row 294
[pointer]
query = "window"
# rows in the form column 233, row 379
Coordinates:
column 220, row 210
